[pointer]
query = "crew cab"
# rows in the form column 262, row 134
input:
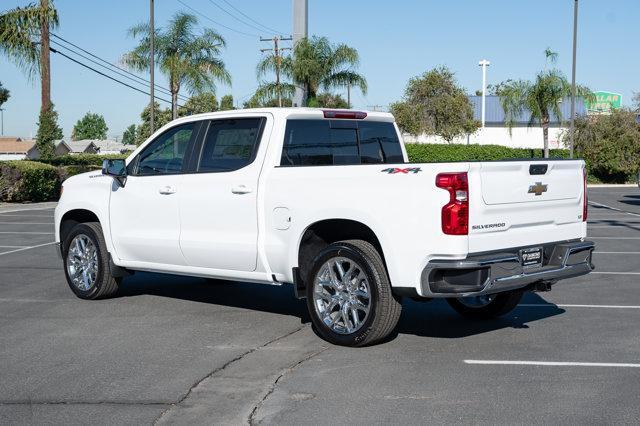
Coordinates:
column 325, row 200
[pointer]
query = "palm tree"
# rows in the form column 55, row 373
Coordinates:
column 540, row 98
column 315, row 64
column 187, row 59
column 20, row 29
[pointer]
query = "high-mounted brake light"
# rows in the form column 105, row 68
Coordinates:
column 353, row 115
column 455, row 214
column 584, row 195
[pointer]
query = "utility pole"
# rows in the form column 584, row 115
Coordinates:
column 152, row 34
column 278, row 59
column 300, row 31
column 349, row 95
column 573, row 78
column 484, row 64
column 2, row 121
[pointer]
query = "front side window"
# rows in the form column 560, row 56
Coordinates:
column 340, row 142
column 165, row 155
column 230, row 144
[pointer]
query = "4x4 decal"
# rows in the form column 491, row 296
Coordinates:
column 394, row 170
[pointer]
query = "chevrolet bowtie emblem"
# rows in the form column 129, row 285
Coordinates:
column 538, row 188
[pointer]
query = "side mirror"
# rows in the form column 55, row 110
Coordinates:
column 117, row 169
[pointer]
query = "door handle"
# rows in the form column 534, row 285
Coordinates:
column 241, row 189
column 167, row 190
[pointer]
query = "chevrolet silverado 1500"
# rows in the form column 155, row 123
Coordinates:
column 327, row 201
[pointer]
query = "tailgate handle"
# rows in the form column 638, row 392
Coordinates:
column 538, row 169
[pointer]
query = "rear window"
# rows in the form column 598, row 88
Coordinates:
column 340, row 142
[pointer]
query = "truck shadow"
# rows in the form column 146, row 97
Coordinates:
column 429, row 319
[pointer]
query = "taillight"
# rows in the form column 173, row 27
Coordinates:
column 584, row 195
column 455, row 214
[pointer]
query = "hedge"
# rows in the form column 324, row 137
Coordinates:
column 28, row 181
column 439, row 153
column 83, row 159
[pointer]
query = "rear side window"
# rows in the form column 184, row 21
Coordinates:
column 230, row 144
column 340, row 142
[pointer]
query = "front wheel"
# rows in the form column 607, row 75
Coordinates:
column 349, row 295
column 86, row 262
column 486, row 306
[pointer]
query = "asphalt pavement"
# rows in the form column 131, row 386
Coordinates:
column 182, row 350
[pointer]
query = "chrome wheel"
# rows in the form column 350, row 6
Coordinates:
column 477, row 301
column 82, row 262
column 341, row 295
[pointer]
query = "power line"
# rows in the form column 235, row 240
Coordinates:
column 251, row 19
column 216, row 22
column 105, row 75
column 115, row 67
column 235, row 17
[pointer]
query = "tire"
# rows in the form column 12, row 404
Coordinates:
column 500, row 304
column 98, row 283
column 369, row 286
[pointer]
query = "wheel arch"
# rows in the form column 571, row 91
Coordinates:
column 72, row 217
column 321, row 233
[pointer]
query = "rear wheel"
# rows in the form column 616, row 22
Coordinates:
column 349, row 295
column 487, row 306
column 86, row 262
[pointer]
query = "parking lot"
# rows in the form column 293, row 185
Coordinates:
column 183, row 350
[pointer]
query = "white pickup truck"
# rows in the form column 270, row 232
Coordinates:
column 327, row 201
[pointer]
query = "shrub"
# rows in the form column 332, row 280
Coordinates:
column 48, row 131
column 83, row 159
column 28, row 181
column 610, row 144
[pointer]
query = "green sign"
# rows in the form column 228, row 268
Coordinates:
column 603, row 103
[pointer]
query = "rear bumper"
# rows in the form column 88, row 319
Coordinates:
column 495, row 272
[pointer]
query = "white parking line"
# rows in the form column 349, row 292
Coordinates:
column 25, row 215
column 12, row 246
column 615, row 273
column 28, row 210
column 564, row 305
column 593, row 203
column 552, row 363
column 26, row 223
column 27, row 248
column 617, row 252
column 613, row 238
column 28, row 232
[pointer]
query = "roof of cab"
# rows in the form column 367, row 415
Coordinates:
column 297, row 112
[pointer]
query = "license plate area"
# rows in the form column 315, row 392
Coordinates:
column 531, row 257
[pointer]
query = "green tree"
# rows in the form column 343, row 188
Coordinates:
column 328, row 100
column 91, row 126
column 226, row 103
column 434, row 104
column 161, row 117
column 4, row 94
column 609, row 143
column 197, row 104
column 48, row 131
column 19, row 27
column 540, row 98
column 186, row 58
column 316, row 63
column 129, row 135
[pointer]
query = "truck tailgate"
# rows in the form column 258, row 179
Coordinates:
column 522, row 203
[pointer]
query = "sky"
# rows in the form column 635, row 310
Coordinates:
column 396, row 41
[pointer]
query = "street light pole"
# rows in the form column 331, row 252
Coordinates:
column 2, row 120
column 573, row 77
column 152, row 34
column 484, row 64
